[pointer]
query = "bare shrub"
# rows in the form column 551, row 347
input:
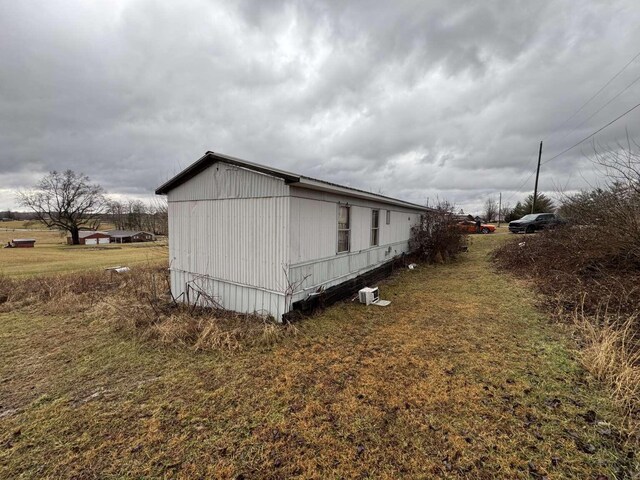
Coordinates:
column 436, row 238
column 577, row 265
column 588, row 283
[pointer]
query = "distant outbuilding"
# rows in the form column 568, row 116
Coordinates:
column 22, row 243
column 130, row 236
column 91, row 237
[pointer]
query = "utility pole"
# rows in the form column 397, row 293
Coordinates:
column 499, row 209
column 535, row 189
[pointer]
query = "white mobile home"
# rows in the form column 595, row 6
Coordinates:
column 258, row 239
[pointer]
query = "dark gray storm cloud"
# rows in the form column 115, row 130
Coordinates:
column 416, row 99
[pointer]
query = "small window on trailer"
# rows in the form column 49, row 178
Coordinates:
column 388, row 217
column 343, row 228
column 375, row 227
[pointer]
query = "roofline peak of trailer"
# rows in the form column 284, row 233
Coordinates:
column 293, row 179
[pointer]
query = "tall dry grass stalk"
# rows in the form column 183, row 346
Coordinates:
column 611, row 352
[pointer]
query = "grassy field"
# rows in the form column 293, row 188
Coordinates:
column 51, row 254
column 21, row 225
column 460, row 377
column 36, row 225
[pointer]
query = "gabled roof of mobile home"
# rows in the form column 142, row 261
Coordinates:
column 294, row 179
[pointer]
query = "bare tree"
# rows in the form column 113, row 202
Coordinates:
column 506, row 211
column 67, row 201
column 117, row 211
column 136, row 214
column 149, row 216
column 490, row 209
column 614, row 206
column 621, row 164
column 160, row 215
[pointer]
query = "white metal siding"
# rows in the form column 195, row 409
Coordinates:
column 340, row 268
column 228, row 181
column 243, row 241
column 360, row 228
column 314, row 230
column 228, row 232
column 314, row 224
column 238, row 298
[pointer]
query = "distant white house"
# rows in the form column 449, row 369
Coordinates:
column 260, row 239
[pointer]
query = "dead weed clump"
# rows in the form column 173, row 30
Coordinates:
column 198, row 328
column 143, row 307
column 58, row 294
column 139, row 303
column 589, row 282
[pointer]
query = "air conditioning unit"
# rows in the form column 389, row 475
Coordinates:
column 369, row 295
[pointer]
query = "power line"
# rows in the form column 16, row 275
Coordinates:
column 594, row 133
column 578, row 111
column 599, row 91
column 523, row 182
column 517, row 190
column 603, row 106
column 583, row 140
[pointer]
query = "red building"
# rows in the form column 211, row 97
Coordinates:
column 22, row 242
column 91, row 237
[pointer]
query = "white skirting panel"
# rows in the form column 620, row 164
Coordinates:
column 334, row 270
column 231, row 296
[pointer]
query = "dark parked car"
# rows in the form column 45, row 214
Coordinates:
column 535, row 221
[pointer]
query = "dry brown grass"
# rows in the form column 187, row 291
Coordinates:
column 440, row 384
column 611, row 353
column 138, row 303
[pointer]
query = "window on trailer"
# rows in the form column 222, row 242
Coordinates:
column 388, row 217
column 343, row 229
column 375, row 227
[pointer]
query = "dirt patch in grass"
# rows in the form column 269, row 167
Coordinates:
column 460, row 377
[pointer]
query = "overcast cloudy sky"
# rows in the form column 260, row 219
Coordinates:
column 416, row 99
